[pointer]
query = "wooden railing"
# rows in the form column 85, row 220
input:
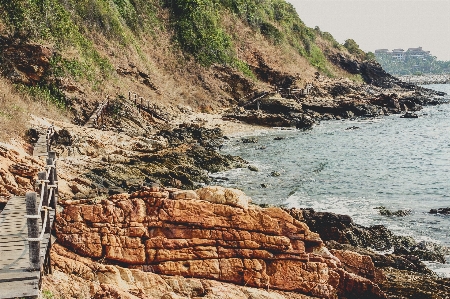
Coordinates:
column 47, row 185
column 97, row 118
column 143, row 105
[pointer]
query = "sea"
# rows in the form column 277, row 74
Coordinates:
column 355, row 166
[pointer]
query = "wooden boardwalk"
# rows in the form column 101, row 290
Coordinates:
column 24, row 246
column 16, row 280
column 40, row 148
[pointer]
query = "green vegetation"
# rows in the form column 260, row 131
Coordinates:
column 198, row 27
column 46, row 294
column 46, row 94
column 199, row 31
column 50, row 21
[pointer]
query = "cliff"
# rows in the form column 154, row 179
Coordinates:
column 212, row 233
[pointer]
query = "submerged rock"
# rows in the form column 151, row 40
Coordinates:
column 409, row 115
column 249, row 140
column 399, row 213
column 445, row 211
column 253, row 168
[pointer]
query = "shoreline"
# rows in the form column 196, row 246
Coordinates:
column 97, row 166
column 444, row 274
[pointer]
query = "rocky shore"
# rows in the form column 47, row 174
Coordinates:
column 139, row 216
column 139, row 219
column 328, row 99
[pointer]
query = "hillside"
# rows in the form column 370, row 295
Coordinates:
column 205, row 54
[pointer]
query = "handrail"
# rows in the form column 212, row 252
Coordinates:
column 48, row 185
column 98, row 114
column 141, row 105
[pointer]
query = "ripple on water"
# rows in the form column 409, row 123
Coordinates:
column 391, row 162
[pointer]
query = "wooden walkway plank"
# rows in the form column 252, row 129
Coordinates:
column 15, row 278
column 40, row 148
column 20, row 288
column 18, row 277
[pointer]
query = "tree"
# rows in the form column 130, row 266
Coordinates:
column 353, row 48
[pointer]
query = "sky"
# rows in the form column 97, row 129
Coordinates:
column 382, row 24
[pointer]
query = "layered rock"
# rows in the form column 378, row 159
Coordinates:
column 18, row 172
column 78, row 277
column 212, row 234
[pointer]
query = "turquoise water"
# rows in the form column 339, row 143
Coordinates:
column 353, row 166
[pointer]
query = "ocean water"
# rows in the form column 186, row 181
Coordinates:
column 353, row 166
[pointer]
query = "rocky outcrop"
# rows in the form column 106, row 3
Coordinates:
column 445, row 211
column 334, row 99
column 18, row 172
column 370, row 71
column 212, row 233
column 405, row 251
column 78, row 277
column 24, row 62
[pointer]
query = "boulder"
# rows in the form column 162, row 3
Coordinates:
column 228, row 196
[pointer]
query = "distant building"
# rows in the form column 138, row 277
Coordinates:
column 401, row 55
column 382, row 51
column 417, row 52
column 398, row 54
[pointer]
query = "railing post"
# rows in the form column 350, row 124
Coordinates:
column 53, row 178
column 43, row 191
column 33, row 231
column 47, row 140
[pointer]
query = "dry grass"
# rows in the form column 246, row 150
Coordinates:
column 16, row 109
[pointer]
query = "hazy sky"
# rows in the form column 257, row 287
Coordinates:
column 389, row 24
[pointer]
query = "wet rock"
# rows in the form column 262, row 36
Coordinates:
column 400, row 213
column 410, row 284
column 340, row 228
column 275, row 173
column 208, row 138
column 253, row 168
column 249, row 140
column 304, row 122
column 409, row 115
column 278, row 138
column 445, row 211
column 384, row 260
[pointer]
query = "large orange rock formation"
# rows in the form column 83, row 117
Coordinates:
column 211, row 233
